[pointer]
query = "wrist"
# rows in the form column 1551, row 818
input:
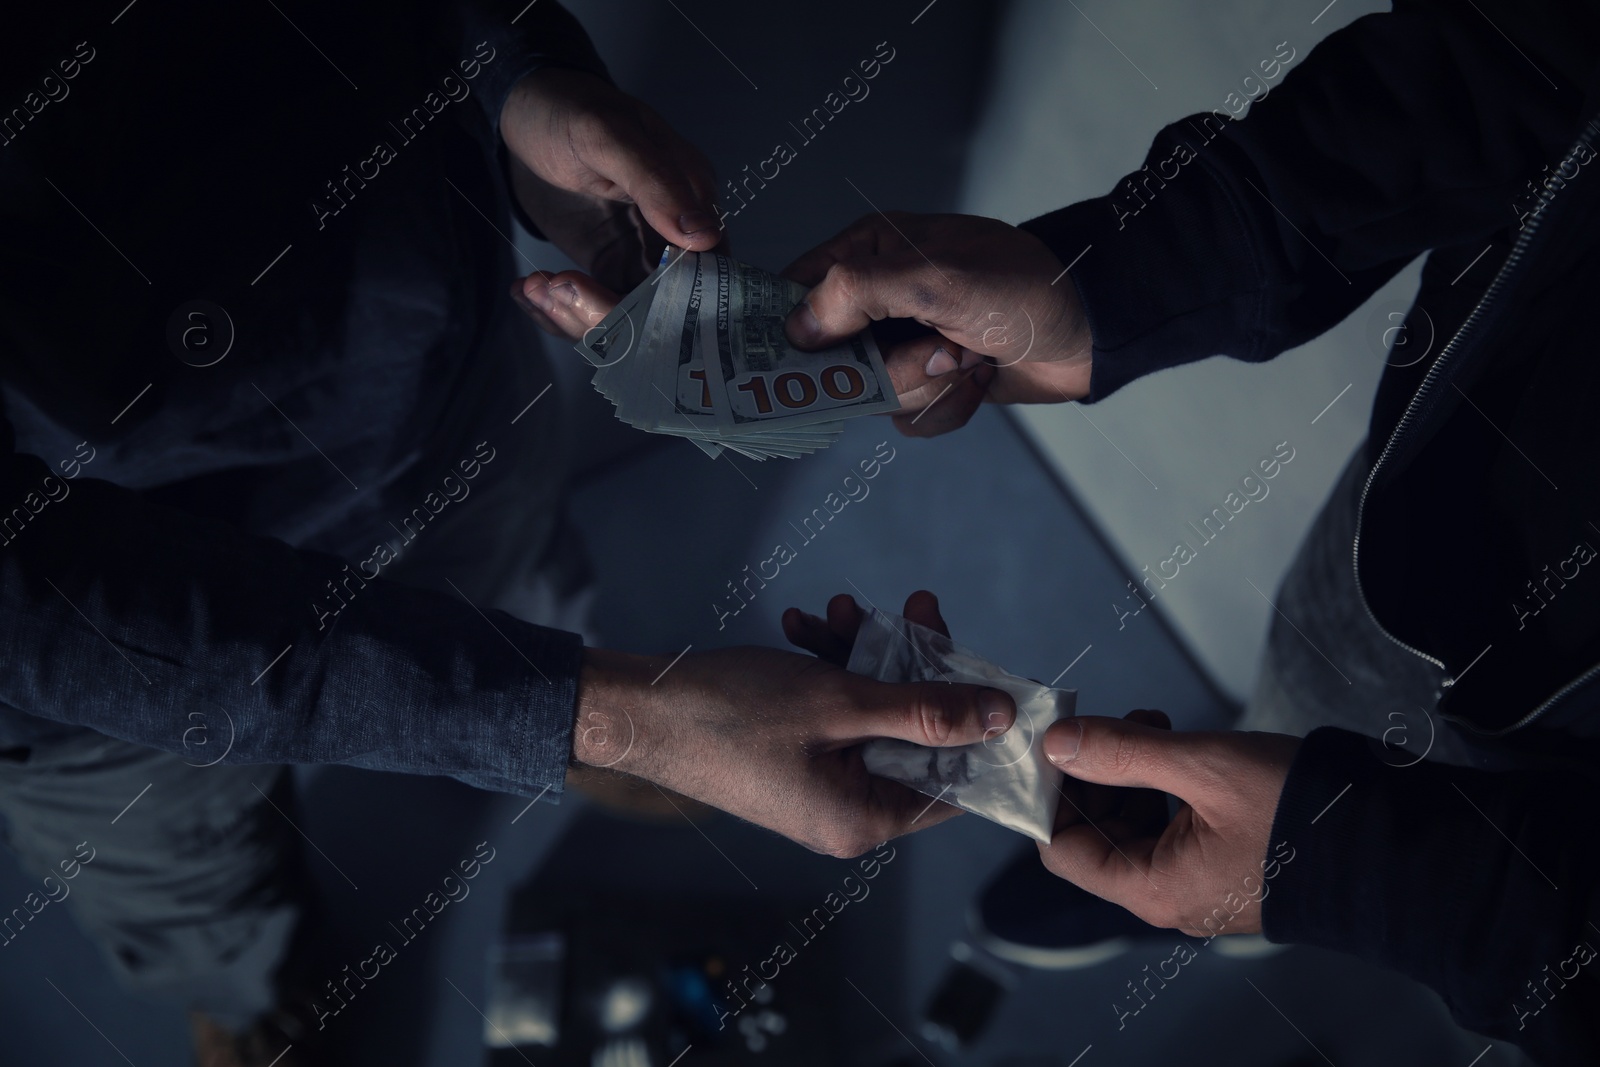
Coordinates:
column 1066, row 323
column 614, row 710
column 532, row 97
column 514, row 110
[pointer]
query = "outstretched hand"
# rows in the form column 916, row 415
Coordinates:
column 1207, row 870
column 776, row 737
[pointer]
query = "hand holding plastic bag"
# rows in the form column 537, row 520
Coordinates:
column 1006, row 778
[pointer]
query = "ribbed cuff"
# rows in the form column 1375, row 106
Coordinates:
column 538, row 715
column 1446, row 874
column 1165, row 266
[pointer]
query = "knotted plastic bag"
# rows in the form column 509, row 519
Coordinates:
column 1005, row 778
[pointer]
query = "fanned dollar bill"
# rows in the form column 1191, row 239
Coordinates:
column 698, row 351
column 763, row 379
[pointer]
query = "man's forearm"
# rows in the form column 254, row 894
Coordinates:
column 1249, row 237
column 544, row 35
column 144, row 623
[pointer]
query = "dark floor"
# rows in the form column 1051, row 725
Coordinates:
column 974, row 516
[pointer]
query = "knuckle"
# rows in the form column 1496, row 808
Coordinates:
column 931, row 717
column 1161, row 913
column 853, row 846
column 838, row 843
column 866, row 224
column 848, row 276
column 928, row 297
column 591, row 129
column 1127, row 753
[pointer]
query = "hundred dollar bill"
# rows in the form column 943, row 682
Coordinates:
column 684, row 400
column 676, row 359
column 758, row 381
column 619, row 334
column 697, row 351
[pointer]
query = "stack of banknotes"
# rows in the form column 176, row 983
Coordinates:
column 698, row 351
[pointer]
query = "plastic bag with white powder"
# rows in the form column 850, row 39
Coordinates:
column 1005, row 778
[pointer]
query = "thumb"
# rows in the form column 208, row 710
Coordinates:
column 1125, row 753
column 937, row 714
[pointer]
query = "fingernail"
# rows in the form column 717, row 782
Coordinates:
column 998, row 711
column 1061, row 746
column 941, row 362
column 566, row 293
column 969, row 359
column 803, row 324
column 695, row 222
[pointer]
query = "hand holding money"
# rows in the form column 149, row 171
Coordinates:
column 604, row 177
column 699, row 351
column 1009, row 326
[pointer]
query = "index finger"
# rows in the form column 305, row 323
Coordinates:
column 907, row 810
column 867, row 236
column 857, row 292
column 1118, row 871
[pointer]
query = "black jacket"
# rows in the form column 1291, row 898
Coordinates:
column 1466, row 133
column 178, row 515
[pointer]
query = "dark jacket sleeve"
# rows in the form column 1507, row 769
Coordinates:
column 150, row 624
column 1483, row 886
column 1403, row 132
column 523, row 38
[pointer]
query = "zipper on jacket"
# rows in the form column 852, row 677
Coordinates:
column 1555, row 698
column 1427, row 393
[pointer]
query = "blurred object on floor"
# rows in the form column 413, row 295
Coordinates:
column 966, row 998
column 634, row 976
column 1030, row 917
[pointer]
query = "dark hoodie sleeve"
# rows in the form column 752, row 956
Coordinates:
column 519, row 38
column 1483, row 886
column 1403, row 132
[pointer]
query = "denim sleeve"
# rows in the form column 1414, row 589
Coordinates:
column 1483, row 886
column 1400, row 133
column 147, row 624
